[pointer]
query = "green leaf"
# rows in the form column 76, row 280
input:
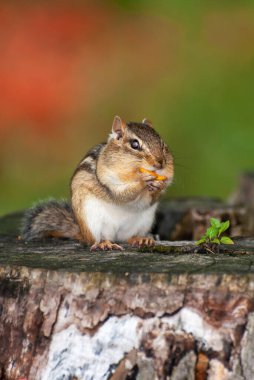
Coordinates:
column 212, row 232
column 224, row 226
column 202, row 240
column 215, row 222
column 226, row 240
column 216, row 241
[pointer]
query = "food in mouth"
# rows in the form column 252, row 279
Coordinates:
column 156, row 176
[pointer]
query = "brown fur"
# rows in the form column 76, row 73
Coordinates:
column 50, row 219
column 110, row 172
column 120, row 158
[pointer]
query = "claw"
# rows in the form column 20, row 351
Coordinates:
column 155, row 185
column 106, row 245
column 141, row 241
column 148, row 177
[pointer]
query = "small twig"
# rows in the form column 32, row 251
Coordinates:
column 208, row 249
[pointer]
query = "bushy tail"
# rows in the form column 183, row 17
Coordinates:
column 50, row 219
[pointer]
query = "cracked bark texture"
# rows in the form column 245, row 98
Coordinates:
column 63, row 325
column 170, row 312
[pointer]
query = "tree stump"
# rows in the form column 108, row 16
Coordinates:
column 169, row 312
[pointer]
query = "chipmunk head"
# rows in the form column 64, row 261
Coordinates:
column 132, row 146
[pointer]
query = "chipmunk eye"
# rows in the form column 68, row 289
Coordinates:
column 135, row 144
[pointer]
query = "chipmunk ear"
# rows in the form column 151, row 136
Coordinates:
column 147, row 122
column 118, row 127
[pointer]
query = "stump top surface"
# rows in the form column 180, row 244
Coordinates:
column 165, row 257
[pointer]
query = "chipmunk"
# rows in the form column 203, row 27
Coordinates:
column 114, row 192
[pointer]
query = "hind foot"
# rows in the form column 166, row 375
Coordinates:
column 105, row 245
column 141, row 241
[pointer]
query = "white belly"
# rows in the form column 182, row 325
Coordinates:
column 117, row 223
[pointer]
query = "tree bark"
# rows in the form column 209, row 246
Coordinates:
column 171, row 312
column 88, row 325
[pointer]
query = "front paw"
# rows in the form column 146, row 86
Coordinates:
column 151, row 183
column 155, row 185
column 147, row 177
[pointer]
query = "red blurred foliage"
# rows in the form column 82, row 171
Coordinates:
column 40, row 51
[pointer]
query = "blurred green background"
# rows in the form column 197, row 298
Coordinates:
column 67, row 68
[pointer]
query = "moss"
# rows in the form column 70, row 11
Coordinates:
column 74, row 257
column 165, row 249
